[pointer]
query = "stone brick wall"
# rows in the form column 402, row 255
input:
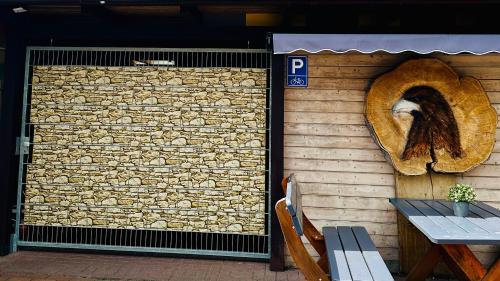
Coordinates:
column 148, row 148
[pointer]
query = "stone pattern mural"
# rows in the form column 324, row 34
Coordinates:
column 148, row 148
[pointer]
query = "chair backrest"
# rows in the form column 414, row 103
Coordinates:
column 292, row 229
column 294, row 204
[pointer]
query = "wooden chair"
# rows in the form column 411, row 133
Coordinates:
column 347, row 253
column 292, row 231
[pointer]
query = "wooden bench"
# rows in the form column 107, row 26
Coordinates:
column 347, row 253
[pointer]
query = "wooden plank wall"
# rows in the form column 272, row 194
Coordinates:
column 345, row 178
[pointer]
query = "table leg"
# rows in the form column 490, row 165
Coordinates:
column 462, row 262
column 425, row 266
column 494, row 272
column 459, row 259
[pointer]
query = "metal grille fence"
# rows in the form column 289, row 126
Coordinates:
column 122, row 150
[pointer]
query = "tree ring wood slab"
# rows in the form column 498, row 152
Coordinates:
column 469, row 112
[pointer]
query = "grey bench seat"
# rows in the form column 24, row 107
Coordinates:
column 350, row 253
column 353, row 256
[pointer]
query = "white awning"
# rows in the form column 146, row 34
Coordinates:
column 390, row 43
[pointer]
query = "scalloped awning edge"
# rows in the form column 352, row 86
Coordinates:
column 477, row 44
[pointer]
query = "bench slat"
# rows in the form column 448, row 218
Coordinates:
column 339, row 270
column 355, row 260
column 373, row 259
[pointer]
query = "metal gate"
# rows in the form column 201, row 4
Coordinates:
column 150, row 150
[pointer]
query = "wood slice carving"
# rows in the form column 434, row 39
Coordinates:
column 424, row 116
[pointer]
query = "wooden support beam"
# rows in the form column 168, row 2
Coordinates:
column 462, row 262
column 323, row 263
column 494, row 272
column 412, row 243
column 426, row 264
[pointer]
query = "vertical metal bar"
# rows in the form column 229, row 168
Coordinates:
column 205, row 246
column 130, row 238
column 140, row 237
column 21, row 156
column 161, row 239
column 217, row 241
column 106, row 236
column 135, row 238
column 269, row 153
column 125, row 238
column 56, row 238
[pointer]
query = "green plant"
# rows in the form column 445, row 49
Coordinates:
column 462, row 193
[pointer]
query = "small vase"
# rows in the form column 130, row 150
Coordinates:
column 461, row 209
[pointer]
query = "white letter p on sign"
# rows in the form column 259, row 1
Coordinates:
column 296, row 64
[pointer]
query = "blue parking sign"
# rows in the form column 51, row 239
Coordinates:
column 297, row 71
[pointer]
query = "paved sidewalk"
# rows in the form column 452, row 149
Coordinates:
column 31, row 265
column 57, row 266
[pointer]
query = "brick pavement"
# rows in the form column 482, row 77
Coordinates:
column 56, row 266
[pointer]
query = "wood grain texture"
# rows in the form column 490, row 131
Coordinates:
column 429, row 186
column 459, row 107
column 441, row 184
column 327, row 130
column 343, row 177
column 324, row 118
column 325, row 106
column 426, row 265
column 325, row 95
column 413, row 245
column 334, row 153
column 346, row 202
column 342, row 166
column 306, row 264
column 353, row 190
column 494, row 272
column 330, row 141
column 463, row 263
column 314, row 237
column 337, row 165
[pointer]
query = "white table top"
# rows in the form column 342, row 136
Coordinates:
column 435, row 219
